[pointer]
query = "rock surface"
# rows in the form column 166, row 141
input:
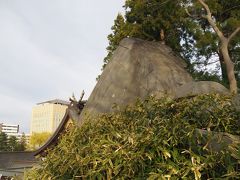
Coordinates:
column 137, row 69
column 200, row 87
column 218, row 141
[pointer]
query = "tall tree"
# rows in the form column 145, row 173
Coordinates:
column 193, row 39
column 226, row 15
column 224, row 25
column 152, row 20
column 119, row 31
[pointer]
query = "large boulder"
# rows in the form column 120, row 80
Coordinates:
column 198, row 88
column 217, row 141
column 137, row 69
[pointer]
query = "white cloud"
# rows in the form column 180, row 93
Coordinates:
column 15, row 111
column 49, row 49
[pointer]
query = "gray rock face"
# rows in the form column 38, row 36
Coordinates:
column 137, row 69
column 218, row 141
column 201, row 87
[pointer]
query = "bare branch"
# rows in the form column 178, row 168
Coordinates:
column 204, row 63
column 230, row 9
column 217, row 61
column 234, row 34
column 209, row 63
column 190, row 15
column 81, row 97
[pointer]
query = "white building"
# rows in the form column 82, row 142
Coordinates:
column 46, row 116
column 13, row 130
column 9, row 129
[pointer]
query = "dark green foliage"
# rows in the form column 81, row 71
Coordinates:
column 3, row 142
column 206, row 43
column 148, row 18
column 192, row 38
column 119, row 32
column 145, row 20
column 12, row 143
column 154, row 139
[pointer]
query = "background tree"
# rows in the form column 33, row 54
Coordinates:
column 227, row 17
column 22, row 144
column 3, row 142
column 12, row 143
column 119, row 32
column 220, row 29
column 193, row 39
column 146, row 20
column 38, row 139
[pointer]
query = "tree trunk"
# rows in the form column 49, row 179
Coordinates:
column 224, row 47
column 223, row 69
column 229, row 66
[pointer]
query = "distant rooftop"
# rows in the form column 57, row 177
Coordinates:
column 56, row 101
column 12, row 125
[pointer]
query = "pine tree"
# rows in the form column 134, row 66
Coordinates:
column 118, row 33
column 219, row 23
column 192, row 38
column 12, row 143
column 147, row 20
column 3, row 142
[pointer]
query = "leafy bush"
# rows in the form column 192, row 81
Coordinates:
column 154, row 139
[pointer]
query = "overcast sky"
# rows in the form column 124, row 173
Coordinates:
column 49, row 49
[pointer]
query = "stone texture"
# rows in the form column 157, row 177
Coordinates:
column 236, row 102
column 137, row 69
column 218, row 141
column 200, row 87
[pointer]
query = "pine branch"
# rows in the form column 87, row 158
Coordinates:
column 230, row 9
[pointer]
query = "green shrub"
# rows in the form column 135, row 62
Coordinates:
column 154, row 139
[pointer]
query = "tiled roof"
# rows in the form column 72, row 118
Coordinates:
column 56, row 101
column 16, row 160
